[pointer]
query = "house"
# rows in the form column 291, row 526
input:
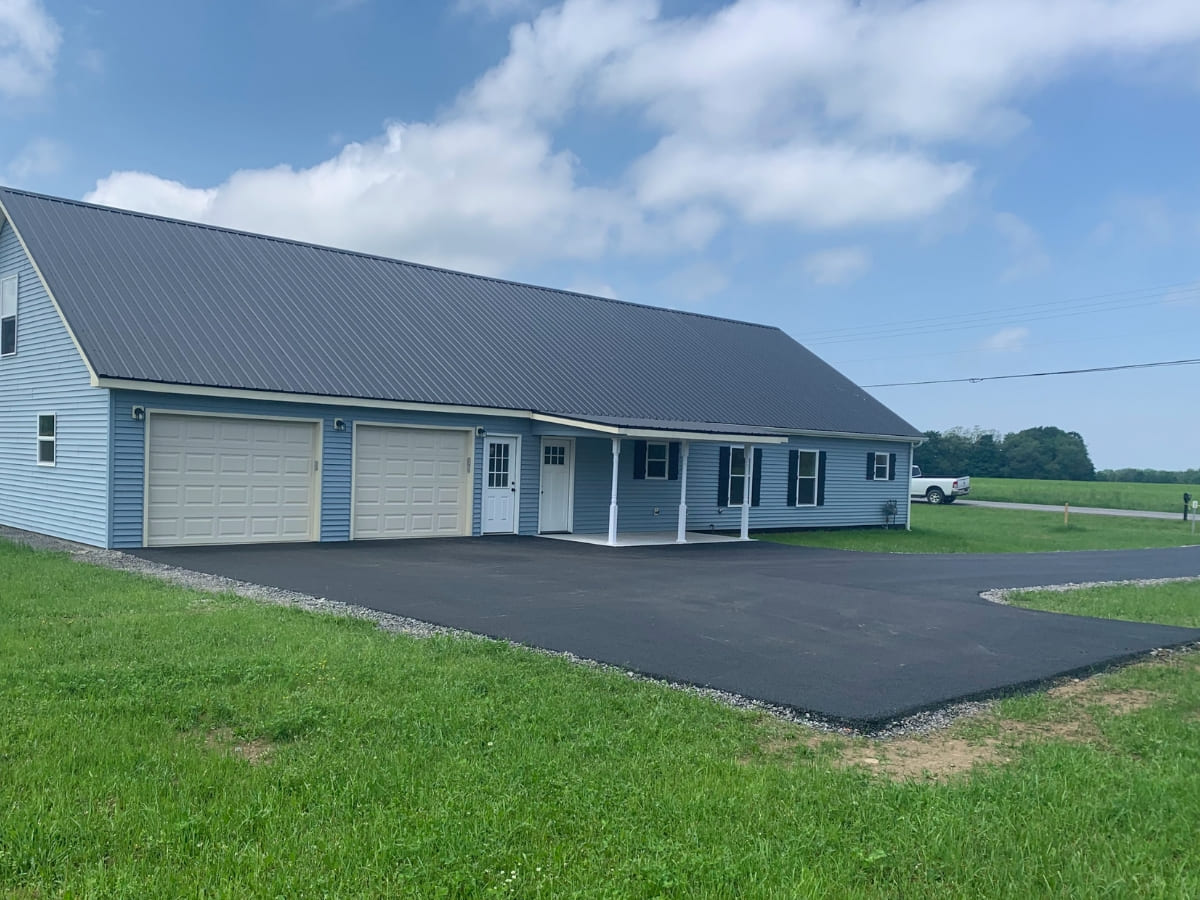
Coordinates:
column 167, row 383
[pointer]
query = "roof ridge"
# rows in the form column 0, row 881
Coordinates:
column 375, row 256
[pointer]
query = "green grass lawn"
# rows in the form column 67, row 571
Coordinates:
column 1176, row 603
column 1104, row 494
column 158, row 742
column 967, row 529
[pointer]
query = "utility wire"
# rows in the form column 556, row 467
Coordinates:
column 1152, row 365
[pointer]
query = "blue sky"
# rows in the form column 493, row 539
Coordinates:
column 915, row 190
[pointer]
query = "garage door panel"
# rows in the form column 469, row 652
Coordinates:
column 409, row 482
column 222, row 480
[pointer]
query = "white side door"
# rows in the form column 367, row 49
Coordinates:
column 500, row 471
column 558, row 466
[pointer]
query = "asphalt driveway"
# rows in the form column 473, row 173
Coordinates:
column 858, row 637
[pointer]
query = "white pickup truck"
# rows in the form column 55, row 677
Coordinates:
column 938, row 490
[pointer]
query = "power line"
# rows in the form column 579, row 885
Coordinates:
column 1152, row 365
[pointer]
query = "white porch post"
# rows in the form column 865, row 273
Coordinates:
column 612, row 507
column 747, row 489
column 681, row 538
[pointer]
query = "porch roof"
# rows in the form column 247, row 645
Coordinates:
column 670, row 430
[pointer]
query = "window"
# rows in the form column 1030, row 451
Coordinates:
column 656, row 460
column 47, row 430
column 555, row 455
column 8, row 316
column 881, row 467
column 498, row 465
column 737, row 476
column 806, row 478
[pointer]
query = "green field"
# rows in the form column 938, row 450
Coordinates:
column 1104, row 494
column 976, row 529
column 158, row 742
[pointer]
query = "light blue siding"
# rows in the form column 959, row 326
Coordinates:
column 47, row 375
column 850, row 499
column 336, row 456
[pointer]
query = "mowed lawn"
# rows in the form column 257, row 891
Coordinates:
column 975, row 529
column 1104, row 494
column 158, row 742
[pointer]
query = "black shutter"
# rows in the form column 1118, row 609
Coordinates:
column 793, row 471
column 756, row 490
column 723, row 477
column 639, row 459
column 891, row 467
column 871, row 466
column 821, row 478
column 673, row 461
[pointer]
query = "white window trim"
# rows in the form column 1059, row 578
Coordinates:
column 815, row 476
column 13, row 279
column 666, row 460
column 52, row 440
column 886, row 464
column 736, row 448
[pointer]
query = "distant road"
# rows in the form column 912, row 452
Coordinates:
column 1082, row 510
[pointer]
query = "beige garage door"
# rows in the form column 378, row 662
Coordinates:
column 410, row 482
column 214, row 480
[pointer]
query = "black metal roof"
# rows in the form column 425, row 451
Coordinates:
column 156, row 299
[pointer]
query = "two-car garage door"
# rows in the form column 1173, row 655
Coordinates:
column 232, row 480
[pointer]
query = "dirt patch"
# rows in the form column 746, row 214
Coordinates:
column 1092, row 693
column 931, row 758
column 257, row 752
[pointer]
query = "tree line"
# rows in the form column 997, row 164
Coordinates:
column 1042, row 452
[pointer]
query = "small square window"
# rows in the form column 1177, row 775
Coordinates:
column 881, row 467
column 47, row 437
column 555, row 455
column 656, row 460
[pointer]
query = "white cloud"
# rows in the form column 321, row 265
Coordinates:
column 1006, row 340
column 837, row 265
column 594, row 288
column 696, row 283
column 823, row 115
column 41, row 156
column 29, row 41
column 1024, row 246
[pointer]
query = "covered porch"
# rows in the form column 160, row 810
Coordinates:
column 644, row 466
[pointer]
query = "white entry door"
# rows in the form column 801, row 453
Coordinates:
column 557, row 478
column 500, row 471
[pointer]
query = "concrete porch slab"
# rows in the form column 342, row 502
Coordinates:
column 645, row 538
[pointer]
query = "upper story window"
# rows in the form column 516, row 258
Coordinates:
column 656, row 459
column 8, row 315
column 47, row 437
